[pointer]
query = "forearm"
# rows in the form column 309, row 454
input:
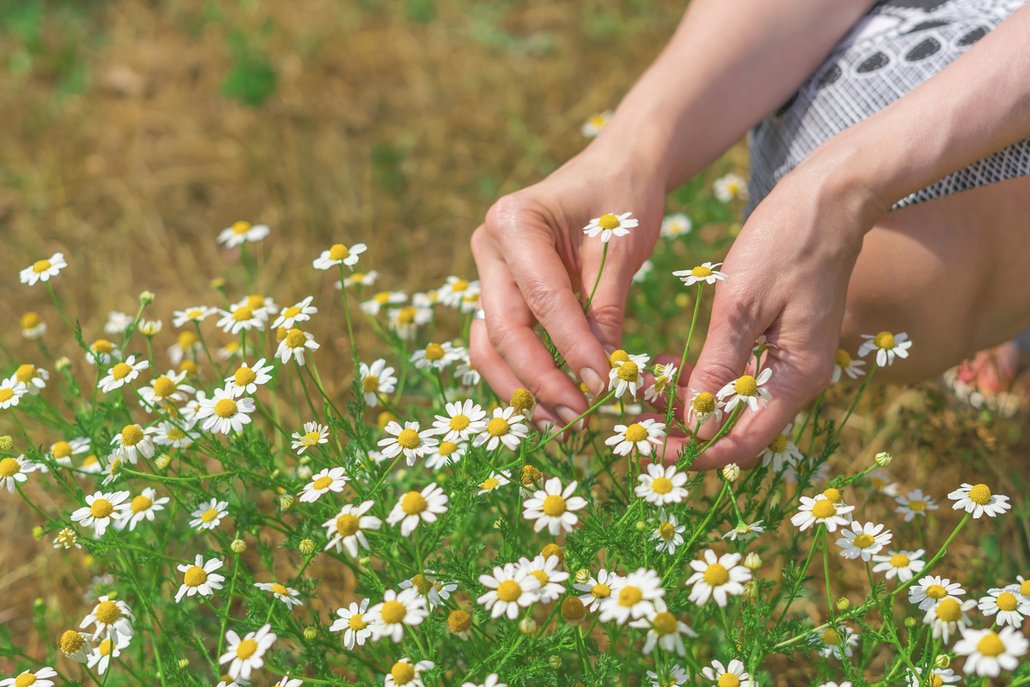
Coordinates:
column 977, row 105
column 724, row 69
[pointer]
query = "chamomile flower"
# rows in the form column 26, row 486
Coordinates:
column 745, row 531
column 453, row 292
column 103, row 352
column 100, row 511
column 717, row 577
column 354, row 623
column 747, row 390
column 427, row 584
column 11, row 392
column 142, row 507
column 418, row 506
column 62, row 450
column 544, row 569
column 668, row 534
column 195, row 314
column 434, row 356
column 510, row 588
column 663, row 376
column 610, row 224
column 464, row 372
column 102, row 653
column 781, row 451
column 224, row 413
column 492, row 680
column 411, row 441
column 404, row 673
column 915, row 504
column 730, row 187
column 169, row 388
column 821, row 510
column 862, row 541
column 110, row 618
column 359, row 279
column 241, row 318
column 642, row 436
column 978, row 500
column 664, row 630
column 948, row 616
column 935, row 677
column 554, row 507
column 32, row 327
column 640, row 276
column 506, row 426
column 383, row 300
column 837, row 642
column 294, row 345
column 1010, row 606
column 887, row 347
column 208, row 515
column 14, row 471
column 706, row 272
column 632, row 597
column 122, row 373
column 245, row 654
column 730, row 675
column 661, row 485
column 314, row 435
column 595, row 589
column 199, row 577
column 676, row 225
column 464, row 420
column 881, row 481
column 445, row 453
column 675, row 676
column 396, row 611
column 132, row 442
column 377, row 380
column 43, row 270
column 627, row 375
column 593, row 125
column 931, row 589
column 240, row 232
column 903, row 564
column 844, row 364
column 988, row 652
column 186, row 347
column 406, row 320
column 246, row 379
column 339, row 254
column 34, row 378
column 322, row 482
column 30, row 678
column 347, row 529
column 291, row 316
column 288, row 595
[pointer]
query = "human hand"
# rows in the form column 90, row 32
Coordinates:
column 537, row 266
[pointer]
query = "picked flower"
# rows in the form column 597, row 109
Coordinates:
column 887, row 347
column 609, row 224
column 844, row 364
column 747, row 390
column 706, row 272
column 595, row 123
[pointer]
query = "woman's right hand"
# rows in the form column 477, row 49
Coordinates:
column 537, row 266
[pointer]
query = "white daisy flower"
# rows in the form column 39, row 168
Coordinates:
column 464, row 420
column 886, row 345
column 744, row 531
column 347, row 529
column 903, row 564
column 396, row 611
column 110, row 618
column 821, row 511
column 288, row 595
column 241, row 232
column 988, row 652
column 978, row 499
column 34, row 378
column 339, row 254
column 948, row 616
column 445, row 453
column 187, row 346
column 509, row 588
column 641, row 274
column 844, row 364
column 609, row 224
column 664, row 630
column 354, row 623
column 14, row 471
column 224, row 413
column 495, row 480
column 705, row 272
column 1010, row 606
column 241, row 318
column 781, row 451
column 596, row 589
column 418, row 506
column 43, row 270
column 453, row 292
column 837, row 642
column 100, row 511
column 642, row 436
column 247, row 379
column 63, row 450
column 377, row 380
column 122, row 373
column 632, row 597
column 507, row 427
column 554, row 508
column 76, row 645
column 11, row 392
column 464, row 372
column 103, row 352
column 404, row 673
column 661, row 485
column 931, row 589
column 100, row 657
column 668, row 534
column 196, row 314
column 164, row 390
column 30, row 678
column 675, row 676
column 431, row 588
column 663, row 376
column 627, row 375
column 881, row 481
column 406, row 320
column 732, row 673
column 32, row 327
column 244, row 655
column 314, row 435
column 862, row 541
column 936, row 677
column 287, row 681
column 915, row 504
column 383, row 300
column 544, row 569
column 359, row 279
column 142, row 507
column 324, row 481
column 593, row 125
column 295, row 314
column 209, row 514
column 132, row 442
column 730, row 187
column 411, row 441
column 199, row 578
column 676, row 225
column 294, row 345
column 746, row 390
column 716, row 577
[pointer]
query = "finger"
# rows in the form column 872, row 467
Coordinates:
column 509, row 325
column 546, row 289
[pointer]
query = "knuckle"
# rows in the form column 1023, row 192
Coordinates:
column 538, row 296
column 502, row 215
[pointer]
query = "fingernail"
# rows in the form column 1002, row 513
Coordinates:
column 567, row 415
column 593, row 381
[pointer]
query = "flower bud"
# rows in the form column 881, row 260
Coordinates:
column 62, row 363
column 573, row 610
column 582, row 576
column 459, row 622
column 911, row 622
column 150, row 328
column 6, row 442
column 310, row 633
column 843, row 604
column 522, row 400
column 364, row 561
column 640, row 525
column 883, row 459
column 554, row 661
column 304, row 472
column 731, row 472
column 286, row 501
column 238, row 546
column 184, row 663
column 752, row 561
column 163, row 460
column 306, row 547
column 530, row 475
column 750, row 590
column 37, row 532
column 553, row 549
column 218, row 283
column 942, row 661
column 146, row 297
column 527, row 626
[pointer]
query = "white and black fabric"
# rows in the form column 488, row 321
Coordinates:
column 891, row 50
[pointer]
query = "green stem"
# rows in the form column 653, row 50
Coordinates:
column 600, row 270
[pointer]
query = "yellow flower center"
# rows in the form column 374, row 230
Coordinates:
column 408, row 438
column 628, row 371
column 541, row 577
column 338, row 251
column 209, row 515
column 101, row 508
column 618, row 356
column 664, row 623
column 935, row 680
column 25, row 373
column 70, row 642
column 243, row 313
column 630, row 596
column 240, row 227
column 382, row 298
column 884, row 340
column 246, row 649
column 311, row 438
column 370, row 384
column 347, row 525
column 600, row 591
column 661, row 485
column 26, row 679
column 598, row 121
column 279, row 589
column 9, row 467
column 864, row 541
column 61, row 449
column 413, row 503
column 41, row 266
column 522, row 400
column 701, row 272
column 980, row 494
column 357, row 622
column 102, row 346
column 434, row 351
column 778, row 444
column 716, row 574
column 225, row 408
column 105, row 648
column 636, row 432
column 121, row 371
column 843, row 358
column 899, row 560
column 1024, row 587
column 244, row 376
column 949, row 610
column 823, row 508
column 187, row 340
column 406, row 315
column 30, row 320
column 295, row 338
column 322, row 483
column 1007, row 601
column 446, row 448
column 497, row 427
column 194, row 576
column 393, row 612
column 459, row 285
column 489, row 483
column 421, row 583
column 141, row 503
column 163, row 387
column 728, row 680
column 667, row 531
column 990, row 645
column 554, row 505
column 509, row 591
column 459, row 422
column 292, row 311
column 917, row 505
column 746, row 386
column 608, row 221
column 107, row 612
column 402, row 672
column 175, row 434
column 936, row 591
column 830, row 637
column 6, row 394
column 833, row 495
